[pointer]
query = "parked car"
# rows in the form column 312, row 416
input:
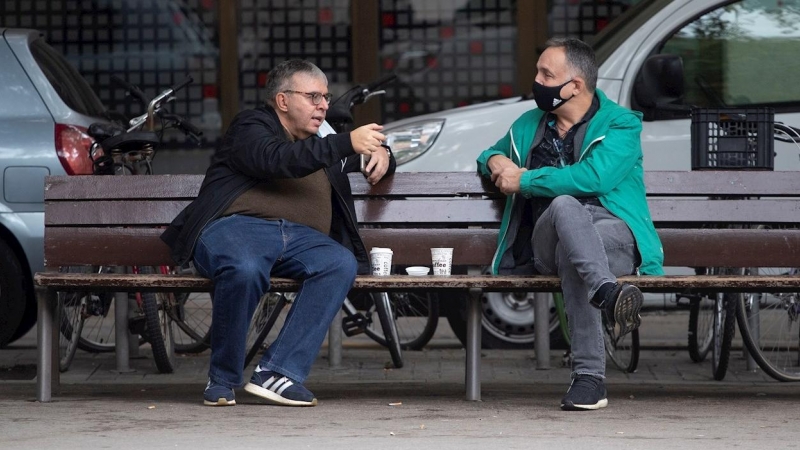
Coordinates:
column 660, row 57
column 45, row 109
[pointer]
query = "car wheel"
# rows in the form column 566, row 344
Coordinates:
column 28, row 319
column 12, row 294
column 507, row 321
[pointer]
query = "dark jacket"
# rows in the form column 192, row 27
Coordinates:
column 254, row 149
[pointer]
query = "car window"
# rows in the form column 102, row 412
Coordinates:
column 66, row 81
column 741, row 54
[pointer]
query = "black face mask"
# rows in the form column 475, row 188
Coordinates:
column 548, row 98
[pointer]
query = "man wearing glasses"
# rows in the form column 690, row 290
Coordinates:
column 276, row 201
column 572, row 170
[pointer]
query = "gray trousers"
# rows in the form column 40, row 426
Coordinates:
column 585, row 246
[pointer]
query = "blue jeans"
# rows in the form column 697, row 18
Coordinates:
column 586, row 246
column 239, row 254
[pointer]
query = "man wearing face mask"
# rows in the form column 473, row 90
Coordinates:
column 572, row 170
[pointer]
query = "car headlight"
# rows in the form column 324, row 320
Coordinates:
column 410, row 141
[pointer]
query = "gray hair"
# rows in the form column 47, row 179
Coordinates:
column 580, row 59
column 280, row 77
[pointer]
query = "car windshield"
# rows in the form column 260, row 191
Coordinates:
column 67, row 82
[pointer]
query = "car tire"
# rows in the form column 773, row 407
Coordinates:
column 454, row 306
column 13, row 299
column 28, row 319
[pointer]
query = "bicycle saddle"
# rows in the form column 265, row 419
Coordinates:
column 134, row 140
column 101, row 131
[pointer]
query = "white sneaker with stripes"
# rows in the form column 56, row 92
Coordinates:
column 279, row 389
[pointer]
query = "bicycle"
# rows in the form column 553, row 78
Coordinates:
column 770, row 322
column 274, row 305
column 712, row 322
column 122, row 151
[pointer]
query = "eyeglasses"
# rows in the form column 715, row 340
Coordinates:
column 316, row 97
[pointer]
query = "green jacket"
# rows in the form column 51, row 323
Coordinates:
column 609, row 167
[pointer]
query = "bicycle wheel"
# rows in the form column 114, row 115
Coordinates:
column 416, row 317
column 701, row 327
column 271, row 307
column 701, row 323
column 770, row 327
column 83, row 319
column 622, row 350
column 724, row 328
column 192, row 315
column 71, row 305
column 158, row 326
column 383, row 309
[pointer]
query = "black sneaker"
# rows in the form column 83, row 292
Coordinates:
column 621, row 306
column 278, row 389
column 218, row 395
column 585, row 393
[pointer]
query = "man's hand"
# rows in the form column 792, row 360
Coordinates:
column 497, row 163
column 508, row 179
column 367, row 139
column 377, row 166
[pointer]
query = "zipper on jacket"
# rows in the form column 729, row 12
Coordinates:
column 353, row 222
column 590, row 146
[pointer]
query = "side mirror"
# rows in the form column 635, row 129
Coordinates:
column 659, row 87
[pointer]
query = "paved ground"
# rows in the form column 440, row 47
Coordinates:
column 669, row 403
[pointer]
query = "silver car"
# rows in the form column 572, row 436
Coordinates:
column 45, row 109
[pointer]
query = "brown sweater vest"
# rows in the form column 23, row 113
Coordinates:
column 305, row 200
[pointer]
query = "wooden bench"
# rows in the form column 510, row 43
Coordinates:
column 118, row 220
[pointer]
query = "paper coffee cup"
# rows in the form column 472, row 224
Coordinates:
column 381, row 260
column 442, row 259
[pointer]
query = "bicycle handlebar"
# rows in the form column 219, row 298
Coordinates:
column 789, row 134
column 182, row 84
column 184, row 125
column 386, row 79
column 130, row 89
column 340, row 111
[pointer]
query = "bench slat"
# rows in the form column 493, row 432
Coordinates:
column 69, row 246
column 683, row 247
column 745, row 183
column 724, row 211
column 723, row 182
column 123, row 282
column 93, row 187
column 453, row 212
column 113, row 212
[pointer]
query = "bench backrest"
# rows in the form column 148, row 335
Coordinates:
column 116, row 220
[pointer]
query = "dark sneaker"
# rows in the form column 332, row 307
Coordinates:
column 218, row 395
column 278, row 389
column 585, row 394
column 621, row 306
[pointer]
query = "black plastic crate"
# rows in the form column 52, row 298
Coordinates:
column 733, row 138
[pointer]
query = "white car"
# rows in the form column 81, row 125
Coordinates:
column 660, row 57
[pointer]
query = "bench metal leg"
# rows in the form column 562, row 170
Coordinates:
column 473, row 369
column 335, row 341
column 47, row 371
column 121, row 332
column 541, row 329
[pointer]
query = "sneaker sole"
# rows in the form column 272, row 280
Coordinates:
column 601, row 404
column 221, row 402
column 626, row 310
column 274, row 398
